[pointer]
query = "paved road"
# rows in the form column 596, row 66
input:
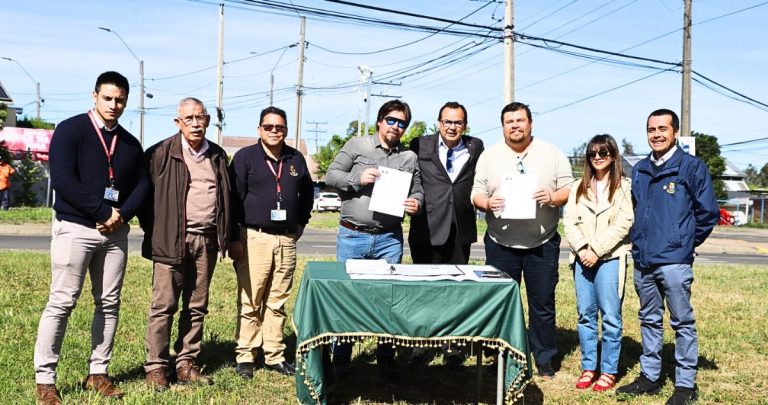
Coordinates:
column 322, row 243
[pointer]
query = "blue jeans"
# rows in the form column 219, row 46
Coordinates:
column 5, row 200
column 351, row 244
column 539, row 268
column 597, row 288
column 673, row 283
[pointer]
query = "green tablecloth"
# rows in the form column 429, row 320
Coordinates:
column 408, row 313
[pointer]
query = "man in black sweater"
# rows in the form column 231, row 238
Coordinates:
column 272, row 200
column 93, row 162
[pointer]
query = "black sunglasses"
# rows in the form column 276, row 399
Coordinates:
column 603, row 153
column 393, row 120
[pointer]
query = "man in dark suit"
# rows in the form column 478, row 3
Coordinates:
column 445, row 229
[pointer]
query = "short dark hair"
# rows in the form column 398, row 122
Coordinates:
column 112, row 78
column 515, row 106
column 663, row 111
column 272, row 110
column 452, row 105
column 395, row 105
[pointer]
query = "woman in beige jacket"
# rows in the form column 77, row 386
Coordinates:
column 597, row 219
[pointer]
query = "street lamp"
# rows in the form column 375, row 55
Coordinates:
column 141, row 84
column 272, row 72
column 37, row 84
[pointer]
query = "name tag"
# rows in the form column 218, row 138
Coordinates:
column 278, row 215
column 111, row 194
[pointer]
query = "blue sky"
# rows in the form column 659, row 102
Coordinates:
column 59, row 44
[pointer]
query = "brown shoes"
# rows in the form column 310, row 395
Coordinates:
column 47, row 394
column 189, row 372
column 157, row 380
column 101, row 384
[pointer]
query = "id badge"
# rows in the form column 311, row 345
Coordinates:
column 111, row 194
column 278, row 215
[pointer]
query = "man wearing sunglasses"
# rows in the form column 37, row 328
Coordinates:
column 528, row 248
column 365, row 234
column 186, row 226
column 272, row 201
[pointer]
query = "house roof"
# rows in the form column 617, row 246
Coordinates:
column 4, row 96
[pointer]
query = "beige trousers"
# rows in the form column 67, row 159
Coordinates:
column 264, row 279
column 77, row 251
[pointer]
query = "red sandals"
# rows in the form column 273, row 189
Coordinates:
column 604, row 383
column 586, row 379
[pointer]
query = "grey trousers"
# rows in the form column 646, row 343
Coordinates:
column 189, row 281
column 77, row 250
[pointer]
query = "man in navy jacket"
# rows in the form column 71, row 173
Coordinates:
column 675, row 211
column 98, row 187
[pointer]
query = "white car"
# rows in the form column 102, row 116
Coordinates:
column 327, row 202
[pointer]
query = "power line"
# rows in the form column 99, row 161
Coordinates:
column 604, row 91
column 402, row 45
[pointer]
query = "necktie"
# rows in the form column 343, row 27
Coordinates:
column 449, row 161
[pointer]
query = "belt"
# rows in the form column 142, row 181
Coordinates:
column 271, row 231
column 349, row 225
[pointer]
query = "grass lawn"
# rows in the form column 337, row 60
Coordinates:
column 731, row 304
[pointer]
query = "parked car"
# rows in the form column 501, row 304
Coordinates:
column 327, row 202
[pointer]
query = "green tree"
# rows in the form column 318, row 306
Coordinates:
column 763, row 176
column 751, row 176
column 708, row 149
column 37, row 123
column 326, row 153
column 30, row 173
column 415, row 130
column 3, row 114
column 628, row 148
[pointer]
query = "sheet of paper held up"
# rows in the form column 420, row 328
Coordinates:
column 518, row 197
column 390, row 191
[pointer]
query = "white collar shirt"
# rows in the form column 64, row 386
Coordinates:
column 459, row 159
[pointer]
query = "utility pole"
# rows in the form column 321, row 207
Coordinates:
column 220, row 78
column 686, row 94
column 366, row 75
column 316, row 130
column 300, row 85
column 509, row 53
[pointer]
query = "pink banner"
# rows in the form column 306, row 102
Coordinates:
column 19, row 140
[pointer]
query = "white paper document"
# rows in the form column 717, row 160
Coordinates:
column 390, row 191
column 368, row 267
column 518, row 197
column 359, row 269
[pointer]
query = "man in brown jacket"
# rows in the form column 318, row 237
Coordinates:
column 186, row 227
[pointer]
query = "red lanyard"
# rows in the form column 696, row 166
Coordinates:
column 278, row 175
column 109, row 152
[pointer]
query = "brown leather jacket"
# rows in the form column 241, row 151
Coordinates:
column 163, row 218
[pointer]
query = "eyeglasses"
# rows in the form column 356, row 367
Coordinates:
column 520, row 168
column 392, row 121
column 602, row 153
column 279, row 129
column 189, row 120
column 448, row 123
